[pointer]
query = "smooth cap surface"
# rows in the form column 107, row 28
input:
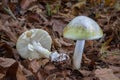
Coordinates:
column 82, row 28
column 25, row 43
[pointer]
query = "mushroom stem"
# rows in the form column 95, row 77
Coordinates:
column 55, row 56
column 77, row 56
column 38, row 47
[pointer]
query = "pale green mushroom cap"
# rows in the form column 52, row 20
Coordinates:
column 82, row 28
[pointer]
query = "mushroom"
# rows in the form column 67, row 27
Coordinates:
column 81, row 28
column 35, row 44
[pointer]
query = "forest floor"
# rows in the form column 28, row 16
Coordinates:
column 101, row 58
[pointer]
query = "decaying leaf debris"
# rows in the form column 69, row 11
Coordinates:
column 101, row 60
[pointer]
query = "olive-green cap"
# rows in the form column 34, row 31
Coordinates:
column 82, row 28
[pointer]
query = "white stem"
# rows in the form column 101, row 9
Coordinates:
column 54, row 56
column 44, row 52
column 41, row 50
column 77, row 56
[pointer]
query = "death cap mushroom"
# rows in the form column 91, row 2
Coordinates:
column 82, row 28
column 26, row 40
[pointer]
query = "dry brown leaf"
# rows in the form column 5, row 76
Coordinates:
column 27, row 72
column 1, row 76
column 105, row 74
column 34, row 66
column 12, row 69
column 90, row 78
column 48, row 1
column 107, row 3
column 20, row 75
column 50, row 68
column 51, row 77
column 58, row 26
column 7, row 33
column 4, row 2
column 77, row 7
column 43, row 62
column 56, row 43
column 38, row 9
column 105, row 45
column 7, row 51
column 94, row 1
column 25, row 3
column 116, row 70
column 85, row 73
column 89, row 43
column 117, row 5
column 64, row 43
column 103, row 12
column 113, row 57
column 110, row 3
column 6, row 62
column 67, row 16
column 35, row 8
column 4, row 17
column 59, row 42
column 14, row 72
column 33, row 17
column 59, row 75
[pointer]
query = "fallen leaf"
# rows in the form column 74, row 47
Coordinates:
column 7, row 51
column 105, row 45
column 51, row 77
column 34, row 67
column 38, row 10
column 33, row 17
column 58, row 26
column 64, row 43
column 56, row 43
column 26, row 3
column 116, row 70
column 59, row 75
column 14, row 72
column 88, row 78
column 43, row 62
column 105, row 74
column 49, row 68
column 110, row 3
column 76, row 74
column 113, row 57
column 85, row 73
column 59, row 42
column 86, row 60
column 27, row 72
column 7, row 34
column 117, row 5
column 4, row 17
column 78, row 6
column 1, row 76
column 35, row 8
column 89, row 43
column 6, row 62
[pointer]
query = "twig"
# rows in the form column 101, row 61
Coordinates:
column 8, row 10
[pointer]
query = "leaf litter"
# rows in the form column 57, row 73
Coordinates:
column 101, row 59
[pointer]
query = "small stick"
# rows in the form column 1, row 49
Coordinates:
column 8, row 10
